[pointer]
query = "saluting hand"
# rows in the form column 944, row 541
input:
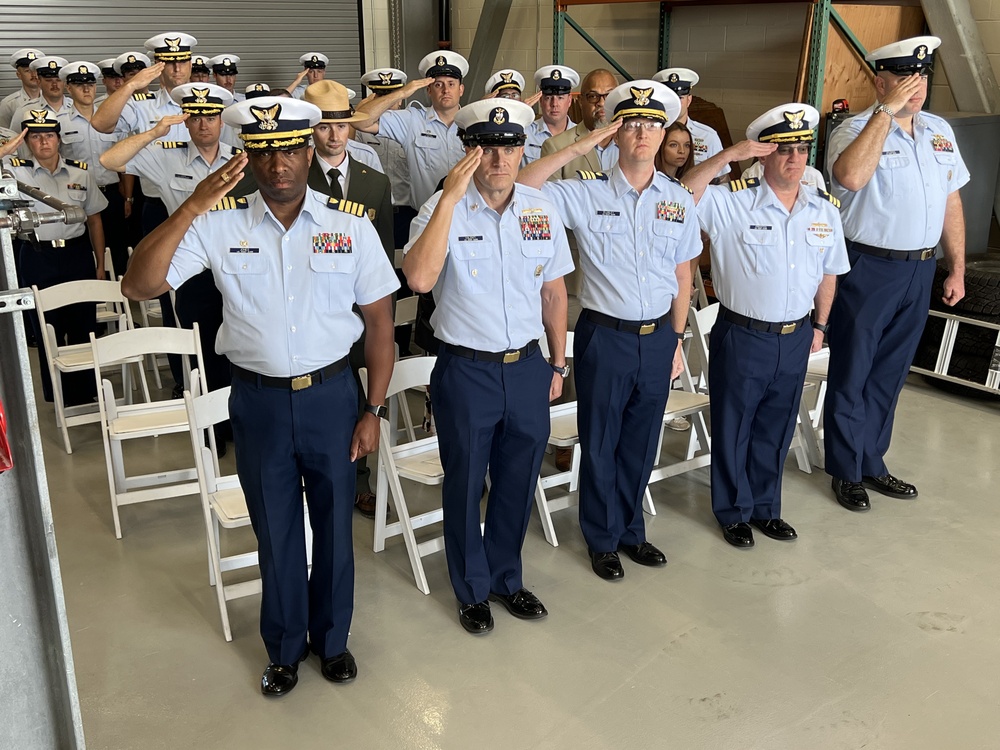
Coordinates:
column 457, row 181
column 414, row 86
column 745, row 150
column 145, row 77
column 214, row 187
column 532, row 100
column 11, row 146
column 595, row 137
column 899, row 96
column 166, row 122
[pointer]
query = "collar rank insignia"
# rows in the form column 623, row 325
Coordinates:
column 795, row 119
column 385, row 78
column 268, row 118
column 641, row 96
column 499, row 115
column 39, row 115
column 200, row 95
column 173, row 45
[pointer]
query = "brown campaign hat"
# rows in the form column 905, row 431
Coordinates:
column 334, row 100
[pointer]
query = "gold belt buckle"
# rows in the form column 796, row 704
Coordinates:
column 928, row 253
column 302, row 382
column 58, row 243
column 646, row 329
column 788, row 328
column 509, row 357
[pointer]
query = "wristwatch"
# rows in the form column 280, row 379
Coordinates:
column 564, row 370
column 882, row 108
column 379, row 411
column 821, row 327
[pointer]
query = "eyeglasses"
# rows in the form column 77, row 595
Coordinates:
column 594, row 97
column 787, row 149
column 508, row 94
column 635, row 125
column 504, row 150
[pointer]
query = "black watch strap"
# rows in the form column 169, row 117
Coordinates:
column 379, row 411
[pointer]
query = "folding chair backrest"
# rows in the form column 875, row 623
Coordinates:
column 204, row 412
column 406, row 310
column 411, row 372
column 144, row 341
column 109, row 265
column 74, row 292
column 701, row 322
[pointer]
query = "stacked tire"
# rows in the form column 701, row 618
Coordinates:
column 975, row 347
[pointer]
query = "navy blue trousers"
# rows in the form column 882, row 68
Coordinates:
column 756, row 381
column 496, row 415
column 876, row 322
column 622, row 384
column 285, row 439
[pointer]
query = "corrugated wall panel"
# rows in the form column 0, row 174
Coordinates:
column 269, row 35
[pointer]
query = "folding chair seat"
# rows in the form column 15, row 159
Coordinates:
column 71, row 358
column 417, row 461
column 143, row 421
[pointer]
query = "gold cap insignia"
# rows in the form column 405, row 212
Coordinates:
column 674, row 78
column 795, row 119
column 441, row 60
column 556, row 75
column 268, row 118
column 385, row 78
column 131, row 59
column 226, row 61
column 641, row 96
column 83, row 70
column 173, row 45
column 499, row 115
column 921, row 52
column 53, row 65
column 258, row 87
column 314, row 59
column 507, row 77
column 39, row 115
column 200, row 95
column 32, row 56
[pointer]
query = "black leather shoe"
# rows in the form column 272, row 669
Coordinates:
column 775, row 529
column 891, row 486
column 607, row 565
column 522, row 604
column 279, row 679
column 644, row 554
column 739, row 535
column 476, row 618
column 340, row 668
column 851, row 495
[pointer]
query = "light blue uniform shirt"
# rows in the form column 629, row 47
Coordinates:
column 286, row 295
column 365, row 154
column 488, row 295
column 70, row 184
column 607, row 155
column 630, row 244
column 176, row 170
column 81, row 142
column 538, row 133
column 705, row 143
column 140, row 116
column 902, row 206
column 10, row 104
column 392, row 156
column 432, row 148
column 768, row 263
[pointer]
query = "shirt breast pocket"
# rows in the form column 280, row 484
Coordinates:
column 245, row 274
column 183, row 185
column 608, row 232
column 427, row 148
column 666, row 236
column 473, row 265
column 947, row 165
column 759, row 247
column 71, row 138
column 893, row 170
column 333, row 280
column 818, row 247
column 536, row 254
column 77, row 196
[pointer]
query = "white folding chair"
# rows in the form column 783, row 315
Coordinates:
column 406, row 315
column 67, row 358
column 143, row 421
column 150, row 310
column 108, row 313
column 417, row 461
column 816, row 376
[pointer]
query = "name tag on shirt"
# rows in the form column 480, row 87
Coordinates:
column 471, row 238
column 244, row 249
column 535, row 227
column 670, row 211
column 332, row 242
column 428, row 135
column 184, row 176
column 890, row 153
column 940, row 143
column 609, row 213
column 765, row 227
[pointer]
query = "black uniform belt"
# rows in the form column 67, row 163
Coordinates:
column 762, row 325
column 73, row 242
column 507, row 357
column 106, row 188
column 642, row 327
column 299, row 383
column 881, row 252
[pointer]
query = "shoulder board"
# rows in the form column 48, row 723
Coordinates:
column 15, row 162
column 678, row 182
column 583, row 174
column 826, row 196
column 172, row 144
column 737, row 185
column 140, row 97
column 77, row 164
column 229, row 203
column 348, row 207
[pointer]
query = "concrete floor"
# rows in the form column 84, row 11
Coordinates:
column 876, row 630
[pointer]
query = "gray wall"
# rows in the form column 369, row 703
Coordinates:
column 269, row 35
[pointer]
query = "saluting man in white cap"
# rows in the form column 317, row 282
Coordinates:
column 898, row 171
column 556, row 83
column 21, row 61
column 110, row 78
column 287, row 332
column 313, row 71
column 505, row 84
column 225, row 71
column 52, row 91
column 382, row 82
column 494, row 253
column 704, row 140
column 429, row 136
column 777, row 249
column 201, row 69
column 636, row 230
